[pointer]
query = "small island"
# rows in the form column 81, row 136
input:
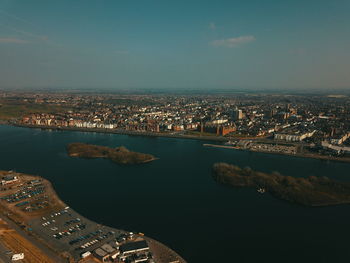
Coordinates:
column 310, row 191
column 120, row 155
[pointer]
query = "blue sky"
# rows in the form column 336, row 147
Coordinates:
column 175, row 44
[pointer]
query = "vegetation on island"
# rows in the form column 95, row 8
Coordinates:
column 119, row 155
column 310, row 191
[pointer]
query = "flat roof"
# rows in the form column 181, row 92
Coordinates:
column 100, row 252
column 9, row 177
column 108, row 248
column 131, row 246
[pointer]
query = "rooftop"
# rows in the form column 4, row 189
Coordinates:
column 138, row 245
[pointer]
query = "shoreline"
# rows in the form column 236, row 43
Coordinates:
column 121, row 132
column 300, row 155
column 102, row 157
column 150, row 134
column 30, row 225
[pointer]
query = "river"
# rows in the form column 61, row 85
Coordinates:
column 176, row 201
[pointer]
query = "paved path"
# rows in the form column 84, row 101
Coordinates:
column 3, row 257
column 51, row 254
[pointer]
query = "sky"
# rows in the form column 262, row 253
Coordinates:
column 178, row 44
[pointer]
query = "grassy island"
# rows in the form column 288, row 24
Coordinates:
column 310, row 191
column 119, row 155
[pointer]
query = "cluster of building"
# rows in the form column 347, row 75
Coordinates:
column 290, row 118
column 294, row 135
column 130, row 252
column 9, row 179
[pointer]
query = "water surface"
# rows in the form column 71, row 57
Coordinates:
column 175, row 200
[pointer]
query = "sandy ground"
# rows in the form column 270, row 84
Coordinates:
column 18, row 244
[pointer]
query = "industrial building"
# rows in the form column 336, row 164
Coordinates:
column 219, row 130
column 9, row 179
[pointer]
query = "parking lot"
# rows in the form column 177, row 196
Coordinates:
column 66, row 230
column 28, row 197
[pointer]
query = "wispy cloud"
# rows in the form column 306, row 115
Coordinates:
column 14, row 17
column 212, row 26
column 13, row 40
column 233, row 42
column 26, row 33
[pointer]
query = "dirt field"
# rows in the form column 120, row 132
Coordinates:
column 89, row 259
column 17, row 244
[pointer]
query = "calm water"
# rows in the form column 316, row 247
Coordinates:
column 175, row 200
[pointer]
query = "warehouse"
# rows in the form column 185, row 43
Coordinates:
column 130, row 248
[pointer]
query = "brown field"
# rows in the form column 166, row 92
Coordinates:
column 18, row 244
column 15, row 109
column 89, row 259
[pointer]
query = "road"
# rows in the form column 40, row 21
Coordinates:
column 50, row 253
column 4, row 258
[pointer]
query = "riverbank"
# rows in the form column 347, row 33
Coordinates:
column 178, row 136
column 124, row 132
column 302, row 155
column 3, row 122
column 59, row 228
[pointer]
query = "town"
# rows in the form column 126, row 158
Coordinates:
column 316, row 124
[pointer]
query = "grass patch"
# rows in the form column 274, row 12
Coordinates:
column 18, row 109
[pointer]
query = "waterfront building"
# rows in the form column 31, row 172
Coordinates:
column 219, row 130
column 339, row 139
column 9, row 179
column 102, row 255
column 132, row 248
column 293, row 137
